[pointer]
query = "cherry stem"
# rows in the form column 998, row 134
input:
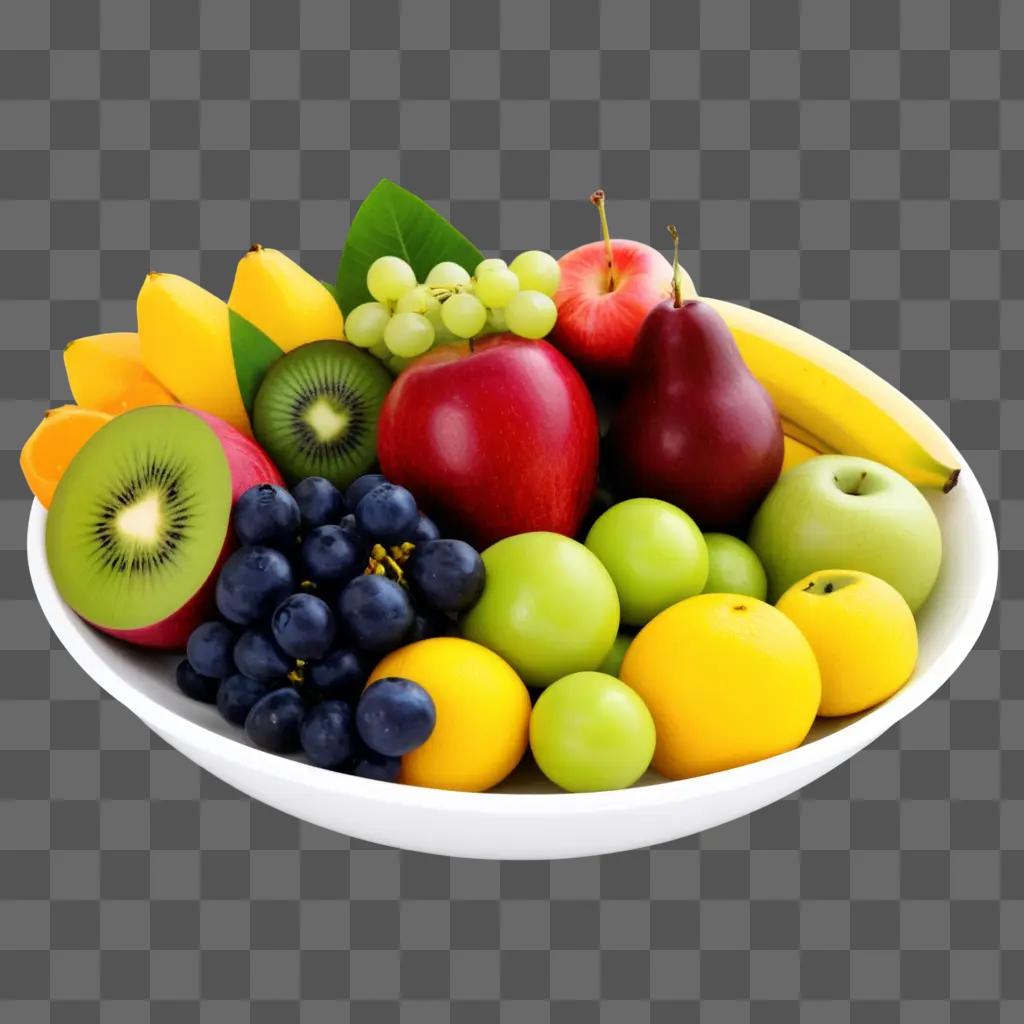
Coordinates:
column 677, row 290
column 597, row 198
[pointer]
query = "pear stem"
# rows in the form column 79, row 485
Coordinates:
column 597, row 198
column 677, row 290
column 255, row 247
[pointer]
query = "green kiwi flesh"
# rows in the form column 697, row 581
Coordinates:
column 139, row 518
column 316, row 411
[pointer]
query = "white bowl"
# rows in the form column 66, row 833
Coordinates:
column 526, row 818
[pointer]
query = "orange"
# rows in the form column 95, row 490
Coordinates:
column 105, row 372
column 54, row 443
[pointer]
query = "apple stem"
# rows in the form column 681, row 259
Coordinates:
column 597, row 198
column 677, row 291
column 857, row 486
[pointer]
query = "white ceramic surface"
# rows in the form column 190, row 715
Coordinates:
column 526, row 818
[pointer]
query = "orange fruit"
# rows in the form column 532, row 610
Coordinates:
column 105, row 372
column 54, row 443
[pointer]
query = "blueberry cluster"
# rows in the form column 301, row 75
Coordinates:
column 323, row 585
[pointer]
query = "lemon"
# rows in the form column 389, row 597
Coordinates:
column 728, row 680
column 483, row 713
column 862, row 632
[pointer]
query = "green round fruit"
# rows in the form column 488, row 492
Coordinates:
column 613, row 659
column 654, row 552
column 734, row 568
column 590, row 732
column 548, row 608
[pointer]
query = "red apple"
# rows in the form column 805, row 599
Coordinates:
column 494, row 440
column 606, row 291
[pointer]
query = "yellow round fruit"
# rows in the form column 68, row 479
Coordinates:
column 483, row 713
column 728, row 679
column 862, row 632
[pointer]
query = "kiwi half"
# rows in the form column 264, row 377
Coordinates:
column 316, row 411
column 139, row 518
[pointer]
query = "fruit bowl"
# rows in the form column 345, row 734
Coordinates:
column 526, row 818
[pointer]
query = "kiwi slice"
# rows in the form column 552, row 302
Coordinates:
column 139, row 517
column 316, row 411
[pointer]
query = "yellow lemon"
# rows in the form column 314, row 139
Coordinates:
column 862, row 632
column 728, row 679
column 483, row 713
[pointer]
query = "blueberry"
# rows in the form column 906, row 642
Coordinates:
column 395, row 716
column 209, row 649
column 425, row 627
column 238, row 694
column 388, row 514
column 319, row 501
column 339, row 675
column 303, row 626
column 196, row 686
column 258, row 656
column 327, row 734
column 368, row 764
column 375, row 613
column 361, row 487
column 351, row 527
column 424, row 530
column 330, row 555
column 447, row 575
column 267, row 514
column 252, row 583
column 273, row 723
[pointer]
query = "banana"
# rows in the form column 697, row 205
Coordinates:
column 290, row 306
column 795, row 452
column 831, row 403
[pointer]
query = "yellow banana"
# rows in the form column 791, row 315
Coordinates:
column 830, row 402
column 795, row 452
column 185, row 338
column 276, row 295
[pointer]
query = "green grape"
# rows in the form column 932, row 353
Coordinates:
column 734, row 568
column 380, row 351
column 418, row 300
column 448, row 275
column 408, row 334
column 494, row 288
column 463, row 315
column 530, row 314
column 590, row 732
column 495, row 322
column 364, row 326
column 396, row 364
column 485, row 266
column 537, row 271
column 389, row 278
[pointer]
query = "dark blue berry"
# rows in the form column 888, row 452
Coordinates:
column 339, row 675
column 368, row 764
column 209, row 649
column 361, row 486
column 327, row 734
column 425, row 627
column 375, row 613
column 303, row 626
column 447, row 575
column 267, row 514
column 395, row 716
column 319, row 501
column 252, row 583
column 387, row 514
column 257, row 655
column 424, row 530
column 196, row 686
column 238, row 694
column 330, row 555
column 273, row 723
column 351, row 527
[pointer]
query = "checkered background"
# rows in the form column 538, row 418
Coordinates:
column 854, row 165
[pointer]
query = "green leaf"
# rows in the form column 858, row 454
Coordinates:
column 253, row 352
column 393, row 222
column 331, row 289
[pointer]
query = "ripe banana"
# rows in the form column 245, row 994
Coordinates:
column 831, row 403
column 290, row 306
column 795, row 452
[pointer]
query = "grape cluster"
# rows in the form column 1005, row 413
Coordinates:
column 323, row 585
column 407, row 318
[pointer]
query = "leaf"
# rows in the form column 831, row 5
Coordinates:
column 393, row 222
column 253, row 353
column 331, row 289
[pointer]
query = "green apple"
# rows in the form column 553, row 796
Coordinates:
column 733, row 567
column 844, row 512
column 549, row 607
column 654, row 552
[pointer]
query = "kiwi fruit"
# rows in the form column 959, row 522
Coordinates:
column 139, row 518
column 316, row 411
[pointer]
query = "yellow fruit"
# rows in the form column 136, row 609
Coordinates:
column 54, row 443
column 289, row 305
column 728, row 679
column 483, row 713
column 105, row 372
column 185, row 338
column 795, row 452
column 862, row 633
